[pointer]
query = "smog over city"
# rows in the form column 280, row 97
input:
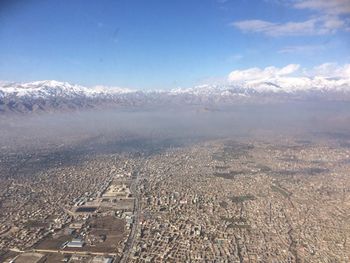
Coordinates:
column 174, row 131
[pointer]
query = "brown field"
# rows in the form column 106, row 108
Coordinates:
column 111, row 227
column 53, row 242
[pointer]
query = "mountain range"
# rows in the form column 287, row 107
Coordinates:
column 50, row 95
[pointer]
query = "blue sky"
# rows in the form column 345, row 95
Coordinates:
column 166, row 44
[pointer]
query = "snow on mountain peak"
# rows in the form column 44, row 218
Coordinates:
column 281, row 83
column 47, row 88
column 255, row 85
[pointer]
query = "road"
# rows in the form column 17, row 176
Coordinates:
column 137, row 210
column 72, row 252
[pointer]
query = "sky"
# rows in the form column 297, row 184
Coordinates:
column 168, row 44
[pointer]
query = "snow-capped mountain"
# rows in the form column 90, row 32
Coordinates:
column 53, row 95
column 52, row 88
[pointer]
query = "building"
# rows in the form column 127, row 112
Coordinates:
column 76, row 243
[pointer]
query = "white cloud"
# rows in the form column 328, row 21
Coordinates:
column 271, row 73
column 329, row 17
column 336, row 7
column 261, row 74
column 254, row 25
column 276, row 29
column 328, row 76
column 314, row 26
column 330, row 70
column 287, row 70
column 301, row 49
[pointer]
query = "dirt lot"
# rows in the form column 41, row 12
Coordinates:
column 110, row 227
column 54, row 257
column 53, row 242
column 30, row 258
column 105, row 234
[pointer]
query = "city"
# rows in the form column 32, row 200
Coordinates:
column 186, row 131
column 215, row 201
